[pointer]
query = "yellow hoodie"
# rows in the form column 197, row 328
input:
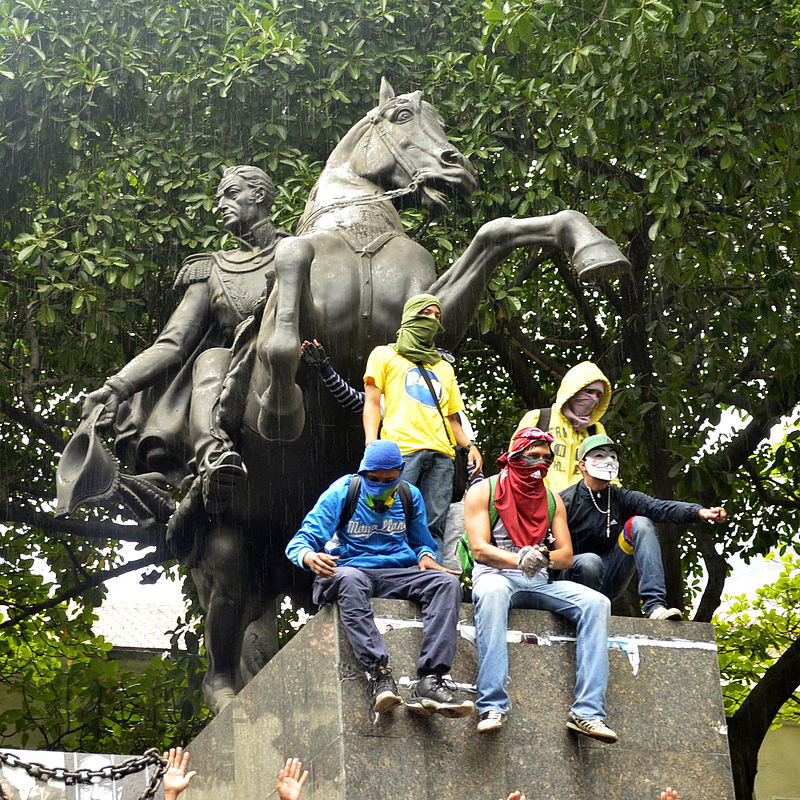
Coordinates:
column 564, row 470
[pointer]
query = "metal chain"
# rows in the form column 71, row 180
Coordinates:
column 112, row 772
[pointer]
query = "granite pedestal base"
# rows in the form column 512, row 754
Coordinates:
column 311, row 701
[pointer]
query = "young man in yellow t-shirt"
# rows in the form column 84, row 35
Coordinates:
column 411, row 418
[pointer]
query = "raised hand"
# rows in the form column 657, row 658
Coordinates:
column 290, row 781
column 176, row 778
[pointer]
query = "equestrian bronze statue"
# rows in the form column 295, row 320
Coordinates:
column 252, row 434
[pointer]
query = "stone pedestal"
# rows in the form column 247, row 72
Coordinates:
column 311, row 701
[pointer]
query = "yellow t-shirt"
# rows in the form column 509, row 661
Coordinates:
column 410, row 417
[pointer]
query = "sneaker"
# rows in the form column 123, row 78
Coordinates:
column 384, row 691
column 490, row 720
column 659, row 612
column 433, row 694
column 595, row 728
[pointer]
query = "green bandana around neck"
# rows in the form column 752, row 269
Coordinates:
column 416, row 334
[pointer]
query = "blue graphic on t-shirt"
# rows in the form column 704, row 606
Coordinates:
column 418, row 390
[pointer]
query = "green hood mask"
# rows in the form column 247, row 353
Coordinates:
column 416, row 334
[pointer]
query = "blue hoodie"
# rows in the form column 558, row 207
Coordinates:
column 369, row 540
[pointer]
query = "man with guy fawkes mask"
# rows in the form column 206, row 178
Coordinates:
column 507, row 522
column 613, row 532
column 381, row 547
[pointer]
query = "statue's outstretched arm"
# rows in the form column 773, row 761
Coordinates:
column 174, row 344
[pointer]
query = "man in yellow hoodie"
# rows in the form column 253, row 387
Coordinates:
column 582, row 399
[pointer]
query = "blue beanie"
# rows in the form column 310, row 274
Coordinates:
column 381, row 454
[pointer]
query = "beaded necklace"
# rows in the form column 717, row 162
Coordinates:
column 607, row 512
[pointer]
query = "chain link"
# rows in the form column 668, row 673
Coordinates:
column 112, row 772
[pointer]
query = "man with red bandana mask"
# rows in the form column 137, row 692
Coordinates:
column 511, row 571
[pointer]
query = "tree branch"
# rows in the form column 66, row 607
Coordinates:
column 534, row 262
column 76, row 564
column 521, row 340
column 767, row 497
column 745, row 373
column 717, row 568
column 90, row 529
column 79, row 588
column 519, row 369
column 587, row 312
column 736, row 452
column 33, row 422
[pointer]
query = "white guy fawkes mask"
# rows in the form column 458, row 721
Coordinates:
column 602, row 463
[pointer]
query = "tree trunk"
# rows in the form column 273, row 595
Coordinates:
column 749, row 725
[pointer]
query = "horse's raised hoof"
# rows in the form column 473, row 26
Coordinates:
column 599, row 260
column 282, row 421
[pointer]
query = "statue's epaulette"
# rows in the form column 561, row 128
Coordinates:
column 195, row 269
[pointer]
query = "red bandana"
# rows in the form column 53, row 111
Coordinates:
column 520, row 496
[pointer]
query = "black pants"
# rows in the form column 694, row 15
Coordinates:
column 439, row 594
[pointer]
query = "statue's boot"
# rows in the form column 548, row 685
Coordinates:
column 222, row 473
column 219, row 465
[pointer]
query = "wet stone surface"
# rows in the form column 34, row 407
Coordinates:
column 311, row 701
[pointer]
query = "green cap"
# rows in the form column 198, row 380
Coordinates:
column 592, row 442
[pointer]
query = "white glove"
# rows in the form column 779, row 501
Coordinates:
column 533, row 559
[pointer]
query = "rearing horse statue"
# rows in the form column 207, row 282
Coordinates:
column 343, row 277
column 351, row 266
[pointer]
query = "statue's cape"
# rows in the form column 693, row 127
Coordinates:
column 152, row 426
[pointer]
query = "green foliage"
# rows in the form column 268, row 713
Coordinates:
column 675, row 129
column 69, row 695
column 752, row 633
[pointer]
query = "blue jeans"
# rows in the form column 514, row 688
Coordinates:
column 611, row 572
column 495, row 592
column 432, row 473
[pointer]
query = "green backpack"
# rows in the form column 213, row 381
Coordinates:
column 464, row 551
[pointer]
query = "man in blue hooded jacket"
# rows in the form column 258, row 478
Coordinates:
column 384, row 549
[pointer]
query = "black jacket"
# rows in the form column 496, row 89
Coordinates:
column 587, row 526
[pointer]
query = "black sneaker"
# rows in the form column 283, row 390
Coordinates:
column 433, row 694
column 384, row 691
column 596, row 728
